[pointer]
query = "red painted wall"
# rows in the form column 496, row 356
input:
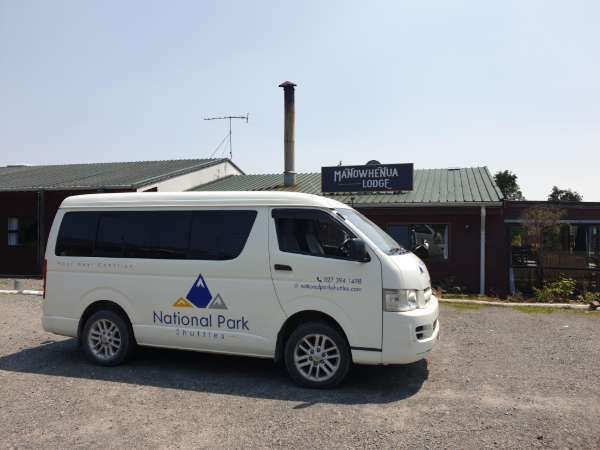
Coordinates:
column 463, row 243
column 463, row 238
column 24, row 261
column 16, row 260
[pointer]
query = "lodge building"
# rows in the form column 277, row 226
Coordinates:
column 448, row 208
column 31, row 195
column 475, row 238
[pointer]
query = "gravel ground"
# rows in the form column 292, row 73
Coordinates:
column 499, row 378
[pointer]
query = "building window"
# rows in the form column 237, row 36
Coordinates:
column 571, row 246
column 21, row 232
column 411, row 236
column 570, row 250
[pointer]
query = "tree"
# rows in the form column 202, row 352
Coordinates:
column 507, row 182
column 564, row 195
column 541, row 223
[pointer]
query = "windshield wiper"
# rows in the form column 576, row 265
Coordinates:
column 397, row 251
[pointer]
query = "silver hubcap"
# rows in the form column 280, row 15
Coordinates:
column 317, row 357
column 104, row 339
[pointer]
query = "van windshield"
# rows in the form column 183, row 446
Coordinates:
column 379, row 237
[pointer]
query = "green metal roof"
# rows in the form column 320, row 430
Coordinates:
column 450, row 187
column 113, row 175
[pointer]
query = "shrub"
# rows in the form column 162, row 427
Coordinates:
column 556, row 291
column 589, row 297
column 450, row 285
column 517, row 297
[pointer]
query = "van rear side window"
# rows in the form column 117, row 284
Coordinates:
column 199, row 235
column 77, row 234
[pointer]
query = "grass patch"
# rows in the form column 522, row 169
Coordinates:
column 463, row 305
column 470, row 297
column 534, row 309
column 548, row 310
column 587, row 313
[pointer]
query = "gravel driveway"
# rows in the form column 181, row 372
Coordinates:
column 499, row 378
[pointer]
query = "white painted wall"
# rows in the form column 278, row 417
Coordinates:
column 201, row 176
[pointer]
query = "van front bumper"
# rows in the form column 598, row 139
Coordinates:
column 410, row 336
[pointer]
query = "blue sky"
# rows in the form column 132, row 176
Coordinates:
column 507, row 84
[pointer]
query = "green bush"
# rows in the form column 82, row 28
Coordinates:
column 517, row 297
column 589, row 297
column 556, row 291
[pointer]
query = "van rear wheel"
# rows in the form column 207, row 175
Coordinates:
column 107, row 339
column 317, row 356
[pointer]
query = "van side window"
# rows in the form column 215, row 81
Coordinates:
column 310, row 232
column 143, row 234
column 77, row 234
column 111, row 231
column 200, row 235
column 220, row 235
column 168, row 236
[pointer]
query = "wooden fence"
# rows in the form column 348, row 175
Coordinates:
column 588, row 279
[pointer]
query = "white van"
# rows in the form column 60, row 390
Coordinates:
column 293, row 277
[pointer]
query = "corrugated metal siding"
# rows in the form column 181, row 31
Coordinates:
column 435, row 186
column 96, row 176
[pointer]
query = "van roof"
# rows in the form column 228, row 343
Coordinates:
column 177, row 199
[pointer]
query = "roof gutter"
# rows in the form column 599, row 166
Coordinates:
column 66, row 188
column 425, row 205
column 567, row 221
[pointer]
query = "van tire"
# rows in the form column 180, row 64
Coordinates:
column 107, row 339
column 330, row 353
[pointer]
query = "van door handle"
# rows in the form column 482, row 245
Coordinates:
column 283, row 267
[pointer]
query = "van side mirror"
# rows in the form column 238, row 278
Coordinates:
column 422, row 251
column 358, row 250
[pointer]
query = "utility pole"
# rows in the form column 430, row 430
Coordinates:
column 229, row 134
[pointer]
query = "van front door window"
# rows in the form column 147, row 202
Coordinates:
column 311, row 232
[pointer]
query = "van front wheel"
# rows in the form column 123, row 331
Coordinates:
column 106, row 338
column 317, row 356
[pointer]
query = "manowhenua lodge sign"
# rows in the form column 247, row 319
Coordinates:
column 370, row 177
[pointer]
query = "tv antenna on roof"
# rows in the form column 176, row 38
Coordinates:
column 228, row 136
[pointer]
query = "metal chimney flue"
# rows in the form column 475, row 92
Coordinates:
column 289, row 173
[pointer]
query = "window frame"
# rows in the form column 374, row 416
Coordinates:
column 594, row 233
column 19, row 231
column 447, row 237
column 316, row 212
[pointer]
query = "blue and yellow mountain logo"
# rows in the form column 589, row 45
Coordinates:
column 199, row 296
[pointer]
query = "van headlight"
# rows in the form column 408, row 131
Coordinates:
column 398, row 300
